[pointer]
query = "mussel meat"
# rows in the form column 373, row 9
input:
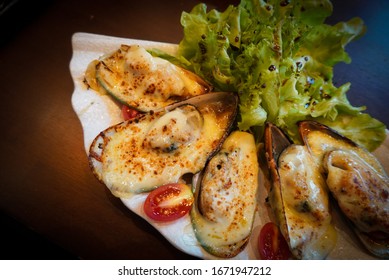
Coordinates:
column 225, row 197
column 159, row 147
column 298, row 196
column 137, row 79
column 357, row 181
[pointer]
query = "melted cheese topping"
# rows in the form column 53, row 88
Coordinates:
column 129, row 165
column 228, row 192
column 165, row 78
column 142, row 81
column 361, row 192
column 180, row 127
column 306, row 208
column 321, row 143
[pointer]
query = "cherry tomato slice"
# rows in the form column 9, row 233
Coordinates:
column 272, row 244
column 168, row 202
column 128, row 113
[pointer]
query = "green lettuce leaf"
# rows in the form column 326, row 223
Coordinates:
column 279, row 57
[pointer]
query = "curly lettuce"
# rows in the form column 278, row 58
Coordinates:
column 278, row 55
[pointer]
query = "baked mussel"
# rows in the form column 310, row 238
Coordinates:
column 226, row 197
column 356, row 180
column 141, row 81
column 161, row 146
column 298, row 196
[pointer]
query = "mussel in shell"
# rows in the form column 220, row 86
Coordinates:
column 161, row 146
column 225, row 197
column 137, row 79
column 298, row 196
column 304, row 176
column 356, row 180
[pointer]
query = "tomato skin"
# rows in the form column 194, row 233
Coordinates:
column 129, row 113
column 272, row 244
column 168, row 202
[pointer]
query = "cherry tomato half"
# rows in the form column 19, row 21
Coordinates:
column 272, row 244
column 168, row 202
column 128, row 113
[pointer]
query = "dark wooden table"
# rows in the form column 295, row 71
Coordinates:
column 45, row 180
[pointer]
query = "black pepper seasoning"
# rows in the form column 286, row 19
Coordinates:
column 284, row 3
column 202, row 47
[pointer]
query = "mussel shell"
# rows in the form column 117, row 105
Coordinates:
column 325, row 142
column 225, row 197
column 321, row 139
column 298, row 197
column 378, row 247
column 117, row 159
column 275, row 143
column 135, row 78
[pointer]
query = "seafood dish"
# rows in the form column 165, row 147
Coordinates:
column 357, row 181
column 181, row 163
column 304, row 176
column 299, row 197
column 160, row 147
column 134, row 77
column 226, row 197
